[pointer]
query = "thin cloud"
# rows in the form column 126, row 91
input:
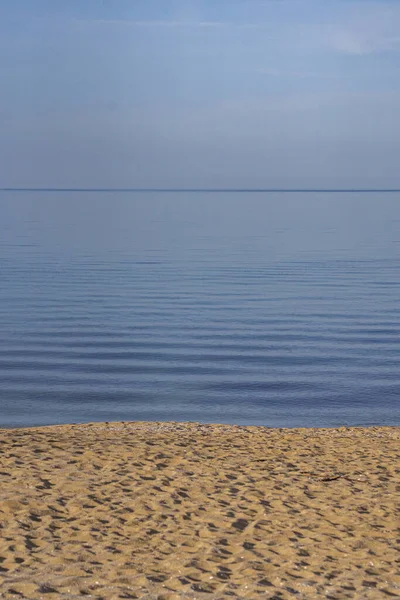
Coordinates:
column 286, row 73
column 364, row 29
column 164, row 23
column 360, row 43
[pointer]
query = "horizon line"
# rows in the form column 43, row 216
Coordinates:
column 204, row 190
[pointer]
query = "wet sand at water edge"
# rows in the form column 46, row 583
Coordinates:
column 184, row 510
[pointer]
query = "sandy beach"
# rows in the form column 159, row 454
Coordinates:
column 184, row 510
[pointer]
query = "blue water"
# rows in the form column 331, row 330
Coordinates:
column 271, row 309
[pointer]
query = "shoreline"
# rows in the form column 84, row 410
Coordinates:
column 170, row 510
column 200, row 423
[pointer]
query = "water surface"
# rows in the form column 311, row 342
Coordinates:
column 272, row 309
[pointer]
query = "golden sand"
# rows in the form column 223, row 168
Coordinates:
column 173, row 510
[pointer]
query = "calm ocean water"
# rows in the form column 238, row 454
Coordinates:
column 272, row 309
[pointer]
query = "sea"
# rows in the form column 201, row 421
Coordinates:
column 274, row 308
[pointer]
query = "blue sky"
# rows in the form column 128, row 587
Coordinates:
column 224, row 93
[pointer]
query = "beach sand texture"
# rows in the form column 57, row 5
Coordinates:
column 173, row 510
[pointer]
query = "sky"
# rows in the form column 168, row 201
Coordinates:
column 200, row 93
